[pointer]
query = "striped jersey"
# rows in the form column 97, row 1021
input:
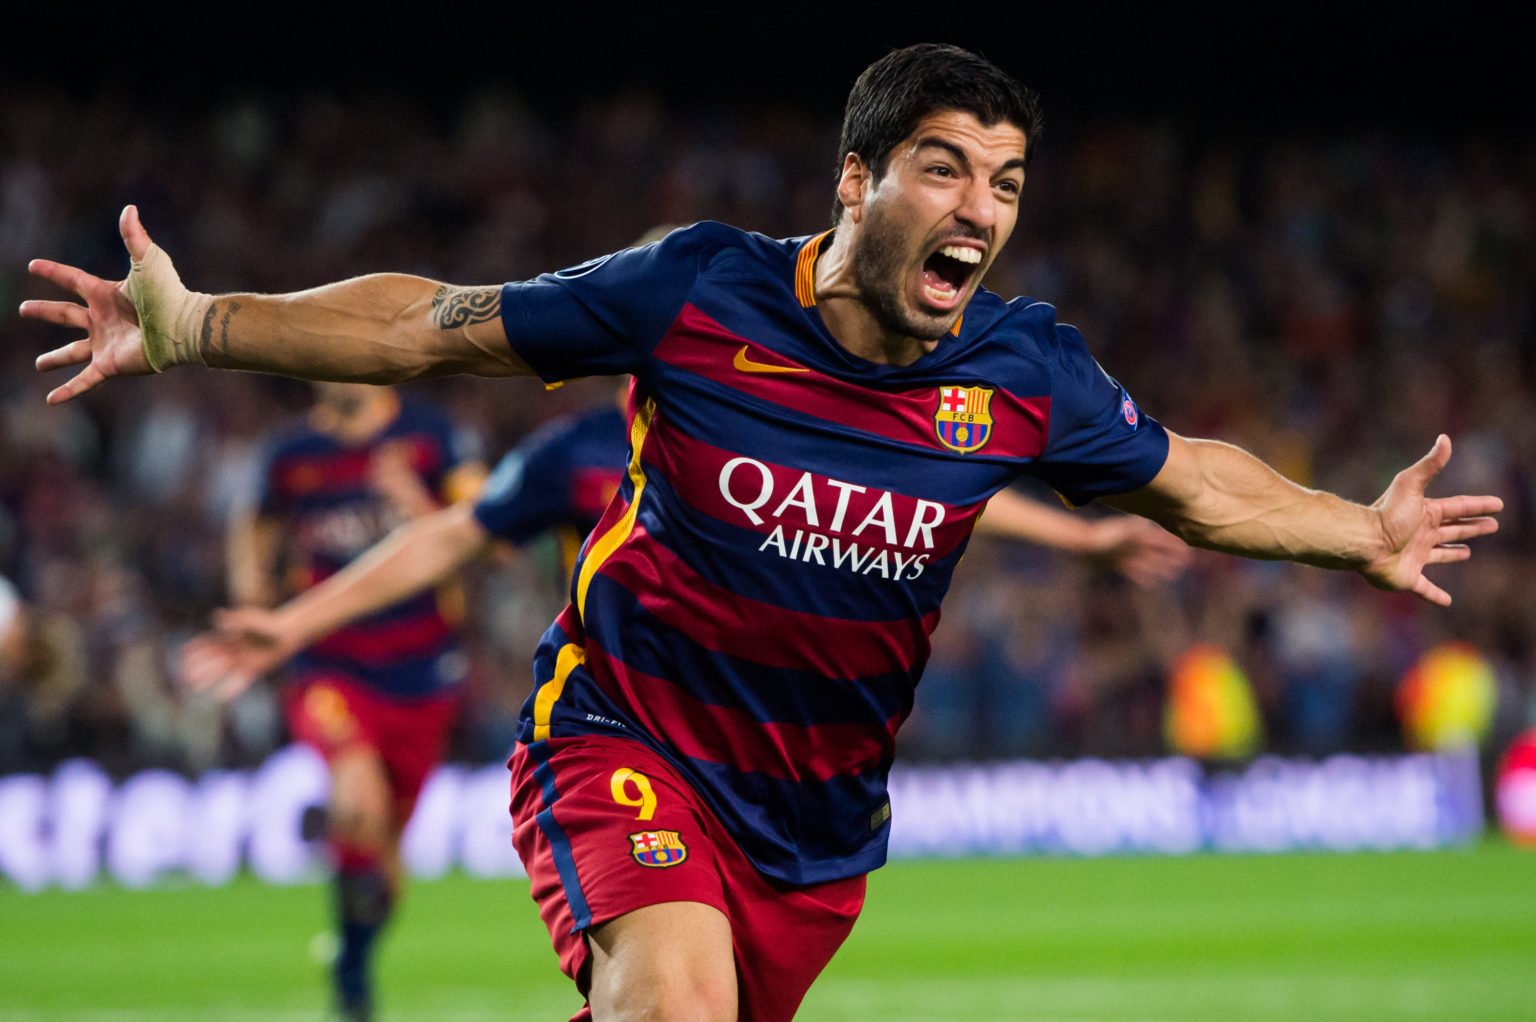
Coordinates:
column 756, row 602
column 559, row 479
column 319, row 488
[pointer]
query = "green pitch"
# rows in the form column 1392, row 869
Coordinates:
column 1445, row 935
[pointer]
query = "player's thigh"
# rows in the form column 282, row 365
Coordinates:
column 606, row 828
column 361, row 800
column 673, row 961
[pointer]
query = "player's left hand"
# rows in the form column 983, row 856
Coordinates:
column 245, row 644
column 123, row 319
column 1139, row 549
column 1417, row 531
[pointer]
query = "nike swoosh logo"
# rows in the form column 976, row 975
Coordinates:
column 746, row 365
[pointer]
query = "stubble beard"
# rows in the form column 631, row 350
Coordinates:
column 878, row 267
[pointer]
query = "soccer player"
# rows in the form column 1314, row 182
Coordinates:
column 376, row 697
column 700, row 784
column 558, row 479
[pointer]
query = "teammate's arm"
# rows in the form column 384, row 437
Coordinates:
column 250, row 641
column 252, row 548
column 1215, row 495
column 382, row 328
column 1140, row 550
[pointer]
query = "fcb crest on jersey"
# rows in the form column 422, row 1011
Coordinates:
column 659, row 848
column 962, row 420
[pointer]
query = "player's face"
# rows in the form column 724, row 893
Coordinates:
column 931, row 225
column 345, row 399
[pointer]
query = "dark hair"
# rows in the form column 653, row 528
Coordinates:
column 904, row 86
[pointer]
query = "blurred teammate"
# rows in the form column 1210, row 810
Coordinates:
column 377, row 697
column 699, row 788
column 558, row 479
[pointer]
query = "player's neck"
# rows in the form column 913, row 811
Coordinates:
column 850, row 318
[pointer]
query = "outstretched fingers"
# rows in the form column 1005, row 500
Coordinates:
column 1426, row 589
column 233, row 684
column 58, row 313
column 1466, row 507
column 87, row 379
column 1462, row 529
column 70, row 278
column 1449, row 554
column 205, row 661
column 71, row 354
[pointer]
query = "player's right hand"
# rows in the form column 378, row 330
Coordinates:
column 244, row 645
column 1139, row 549
column 124, row 320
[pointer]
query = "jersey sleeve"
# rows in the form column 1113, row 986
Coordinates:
column 1099, row 443
column 527, row 493
column 603, row 317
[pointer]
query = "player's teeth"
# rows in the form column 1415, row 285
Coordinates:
column 964, row 255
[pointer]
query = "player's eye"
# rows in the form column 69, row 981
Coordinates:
column 942, row 170
column 1008, row 186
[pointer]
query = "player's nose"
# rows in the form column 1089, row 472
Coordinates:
column 978, row 205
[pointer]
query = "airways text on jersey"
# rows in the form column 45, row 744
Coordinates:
column 813, row 521
column 815, row 518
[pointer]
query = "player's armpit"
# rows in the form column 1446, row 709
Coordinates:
column 1172, row 492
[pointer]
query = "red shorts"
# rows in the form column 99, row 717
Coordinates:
column 605, row 826
column 334, row 714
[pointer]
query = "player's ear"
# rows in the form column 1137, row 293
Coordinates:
column 853, row 185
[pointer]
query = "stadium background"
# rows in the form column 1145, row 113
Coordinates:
column 1307, row 233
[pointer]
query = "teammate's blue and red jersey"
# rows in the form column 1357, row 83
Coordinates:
column 320, row 489
column 560, row 479
column 757, row 601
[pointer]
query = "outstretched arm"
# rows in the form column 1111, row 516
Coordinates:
column 251, row 552
column 1218, row 496
column 1138, row 549
column 249, row 641
column 382, row 328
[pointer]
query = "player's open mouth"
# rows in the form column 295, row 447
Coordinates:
column 946, row 273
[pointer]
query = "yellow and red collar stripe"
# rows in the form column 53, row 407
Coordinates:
column 805, row 270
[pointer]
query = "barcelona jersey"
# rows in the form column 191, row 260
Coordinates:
column 320, row 489
column 560, row 478
column 757, row 600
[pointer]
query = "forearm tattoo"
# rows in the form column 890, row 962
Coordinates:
column 205, row 345
column 460, row 306
column 205, row 336
column 234, row 307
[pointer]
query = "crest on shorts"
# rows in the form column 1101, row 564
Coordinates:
column 658, row 848
column 962, row 420
column 329, row 714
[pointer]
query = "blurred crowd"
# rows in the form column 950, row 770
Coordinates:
column 1329, row 302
